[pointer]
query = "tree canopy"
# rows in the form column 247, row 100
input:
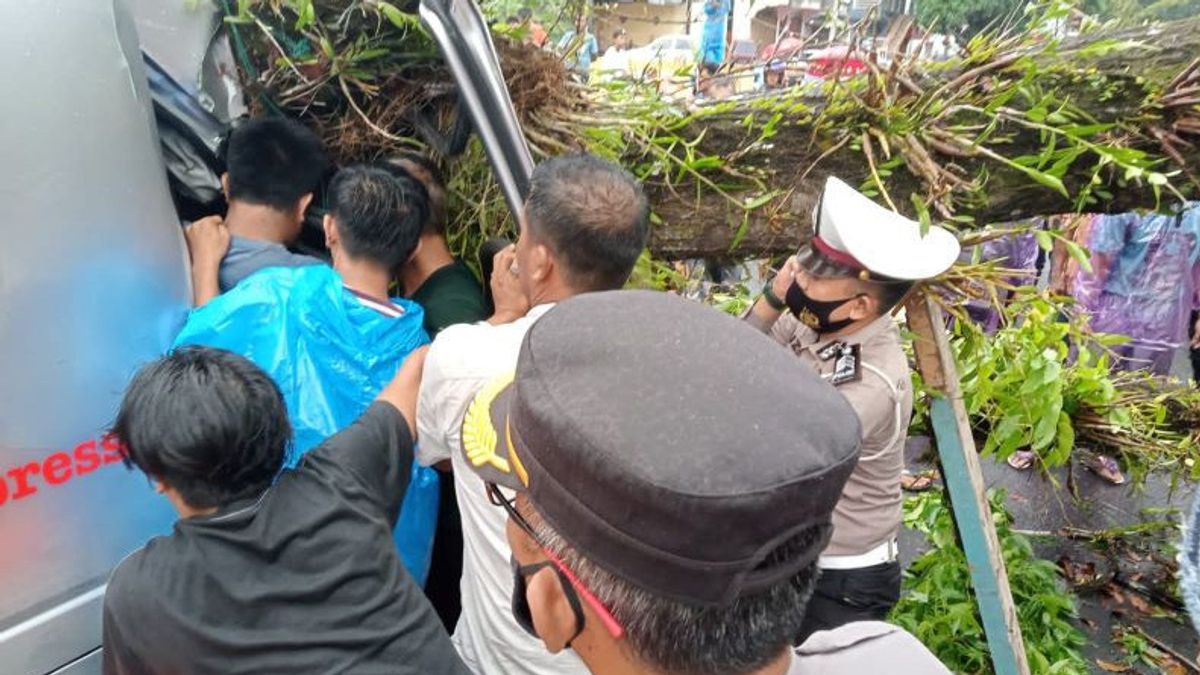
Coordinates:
column 967, row 17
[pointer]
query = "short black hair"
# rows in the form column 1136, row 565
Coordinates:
column 274, row 161
column 594, row 217
column 525, row 14
column 888, row 293
column 206, row 422
column 425, row 170
column 379, row 213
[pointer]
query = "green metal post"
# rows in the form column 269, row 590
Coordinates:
column 964, row 484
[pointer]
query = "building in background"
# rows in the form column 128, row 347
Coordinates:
column 766, row 22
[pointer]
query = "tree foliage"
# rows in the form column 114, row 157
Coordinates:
column 967, row 17
column 1140, row 11
column 938, row 605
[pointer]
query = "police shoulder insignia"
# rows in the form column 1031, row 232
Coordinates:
column 479, row 437
column 848, row 366
column 831, row 350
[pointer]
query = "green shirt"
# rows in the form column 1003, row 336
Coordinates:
column 450, row 295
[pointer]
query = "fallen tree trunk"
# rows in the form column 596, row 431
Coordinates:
column 1022, row 126
column 994, row 150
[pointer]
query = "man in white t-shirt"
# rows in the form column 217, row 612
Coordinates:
column 585, row 224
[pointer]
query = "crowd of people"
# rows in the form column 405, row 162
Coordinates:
column 629, row 481
column 557, row 476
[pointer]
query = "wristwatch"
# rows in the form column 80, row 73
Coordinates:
column 772, row 299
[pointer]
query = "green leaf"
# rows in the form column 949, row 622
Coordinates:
column 1064, row 441
column 756, row 202
column 1086, row 130
column 305, row 14
column 399, row 19
column 1109, row 46
column 1045, row 240
column 1052, row 182
column 922, row 212
column 1080, row 256
column 738, row 236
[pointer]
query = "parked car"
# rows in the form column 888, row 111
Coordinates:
column 833, row 60
column 667, row 57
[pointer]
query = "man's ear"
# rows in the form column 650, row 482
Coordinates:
column 302, row 205
column 553, row 617
column 225, row 185
column 331, row 231
column 541, row 263
column 416, row 249
column 864, row 306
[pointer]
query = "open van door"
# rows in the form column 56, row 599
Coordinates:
column 93, row 283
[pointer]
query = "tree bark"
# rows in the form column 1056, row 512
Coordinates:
column 1144, row 92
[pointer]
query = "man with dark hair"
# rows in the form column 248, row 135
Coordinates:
column 537, row 32
column 266, row 571
column 579, row 47
column 840, row 290
column 273, row 168
column 374, row 225
column 332, row 338
column 586, row 222
column 450, row 294
column 433, row 278
column 584, row 225
column 650, row 533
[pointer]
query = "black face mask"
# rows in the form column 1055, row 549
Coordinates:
column 815, row 313
column 520, row 604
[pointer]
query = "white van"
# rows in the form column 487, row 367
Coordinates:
column 94, row 275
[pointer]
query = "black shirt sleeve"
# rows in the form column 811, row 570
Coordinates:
column 375, row 453
column 119, row 656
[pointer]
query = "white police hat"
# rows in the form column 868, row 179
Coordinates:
column 856, row 233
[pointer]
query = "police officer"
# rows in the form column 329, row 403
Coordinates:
column 831, row 304
column 657, row 526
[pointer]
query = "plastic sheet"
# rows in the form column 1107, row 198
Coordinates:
column 1016, row 252
column 1144, row 283
column 330, row 356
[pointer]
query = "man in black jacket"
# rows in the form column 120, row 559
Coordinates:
column 267, row 571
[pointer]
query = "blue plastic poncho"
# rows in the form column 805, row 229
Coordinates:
column 330, row 356
column 1143, row 284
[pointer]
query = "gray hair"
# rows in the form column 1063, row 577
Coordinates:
column 673, row 637
column 593, row 215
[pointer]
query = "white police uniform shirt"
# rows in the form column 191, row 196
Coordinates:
column 881, row 394
column 864, row 647
column 460, row 362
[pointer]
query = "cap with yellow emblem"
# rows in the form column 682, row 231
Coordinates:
column 854, row 236
column 668, row 443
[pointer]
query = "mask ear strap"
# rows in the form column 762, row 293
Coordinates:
column 573, row 600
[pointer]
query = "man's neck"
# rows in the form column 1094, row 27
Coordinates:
column 184, row 509
column 433, row 255
column 608, row 658
column 551, row 292
column 258, row 222
column 368, row 278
